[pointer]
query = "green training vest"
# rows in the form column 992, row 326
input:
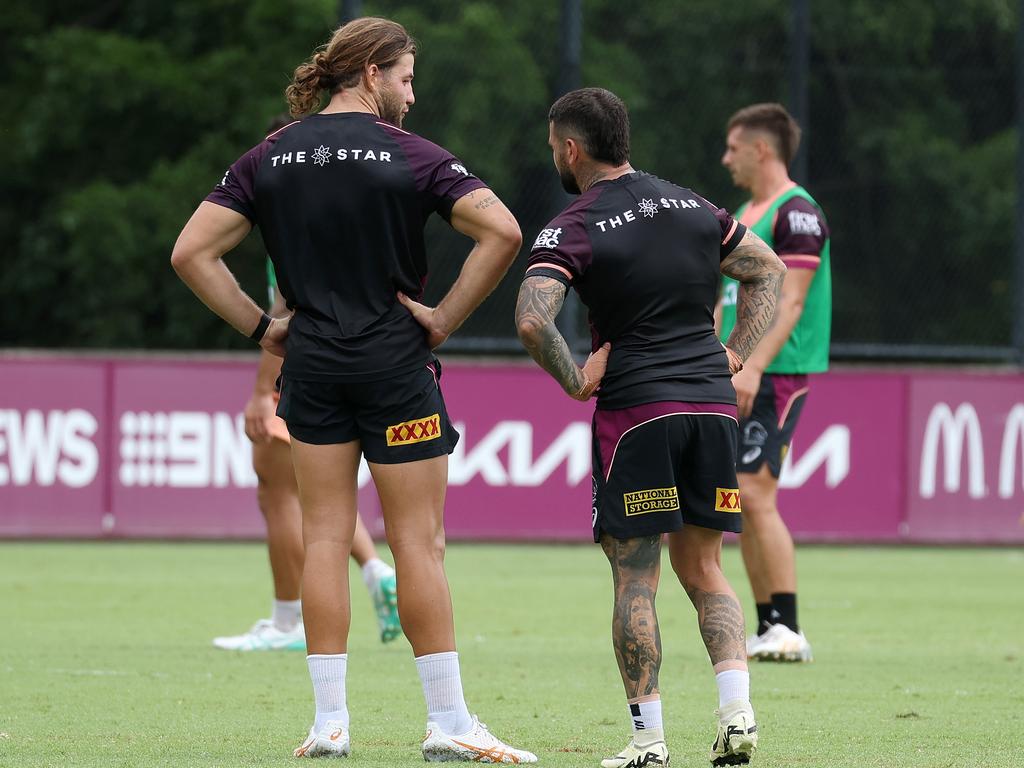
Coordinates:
column 806, row 350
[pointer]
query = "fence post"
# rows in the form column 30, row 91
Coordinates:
column 1018, row 250
column 799, row 64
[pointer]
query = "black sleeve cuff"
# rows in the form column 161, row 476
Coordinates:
column 549, row 272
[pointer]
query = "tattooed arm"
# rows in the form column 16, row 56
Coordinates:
column 759, row 272
column 540, row 299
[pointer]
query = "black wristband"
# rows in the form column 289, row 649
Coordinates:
column 261, row 328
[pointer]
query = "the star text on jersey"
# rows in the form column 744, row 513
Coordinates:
column 323, row 155
column 647, row 208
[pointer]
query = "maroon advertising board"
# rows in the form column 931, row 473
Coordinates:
column 155, row 448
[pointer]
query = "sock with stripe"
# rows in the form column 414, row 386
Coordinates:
column 647, row 724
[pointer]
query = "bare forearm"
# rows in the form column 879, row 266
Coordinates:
column 774, row 339
column 540, row 300
column 486, row 264
column 211, row 280
column 267, row 373
column 549, row 349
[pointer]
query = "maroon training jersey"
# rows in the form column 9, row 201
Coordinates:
column 645, row 257
column 341, row 201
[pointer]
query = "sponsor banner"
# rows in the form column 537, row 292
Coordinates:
column 522, row 466
column 966, row 469
column 843, row 477
column 54, row 434
column 156, row 448
column 181, row 464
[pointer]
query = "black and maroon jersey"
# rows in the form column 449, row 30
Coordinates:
column 341, row 201
column 645, row 257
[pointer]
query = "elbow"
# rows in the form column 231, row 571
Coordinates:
column 528, row 331
column 510, row 237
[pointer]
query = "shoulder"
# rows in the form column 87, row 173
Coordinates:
column 274, row 136
column 409, row 141
column 571, row 222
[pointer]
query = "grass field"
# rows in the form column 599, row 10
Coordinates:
column 105, row 660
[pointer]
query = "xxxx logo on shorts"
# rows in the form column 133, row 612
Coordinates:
column 415, row 431
column 651, row 500
column 727, row 499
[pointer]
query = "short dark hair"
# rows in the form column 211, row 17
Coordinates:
column 773, row 119
column 598, row 118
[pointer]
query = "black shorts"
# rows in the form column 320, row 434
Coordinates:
column 396, row 420
column 660, row 466
column 765, row 435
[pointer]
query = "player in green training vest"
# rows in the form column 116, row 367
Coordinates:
column 761, row 142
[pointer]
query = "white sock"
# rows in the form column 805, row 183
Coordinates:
column 733, row 684
column 442, row 688
column 286, row 614
column 374, row 570
column 327, row 671
column 647, row 726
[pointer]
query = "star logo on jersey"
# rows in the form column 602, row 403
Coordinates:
column 548, row 238
column 648, row 208
column 322, row 155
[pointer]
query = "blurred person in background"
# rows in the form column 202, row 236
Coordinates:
column 341, row 199
column 645, row 257
column 761, row 142
column 278, row 498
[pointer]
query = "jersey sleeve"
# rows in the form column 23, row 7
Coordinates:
column 236, row 190
column 731, row 229
column 800, row 234
column 562, row 250
column 439, row 175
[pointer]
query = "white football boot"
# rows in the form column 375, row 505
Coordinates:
column 650, row 756
column 477, row 746
column 780, row 643
column 264, row 636
column 330, row 741
column 737, row 734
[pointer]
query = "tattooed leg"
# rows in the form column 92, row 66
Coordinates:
column 636, row 638
column 696, row 559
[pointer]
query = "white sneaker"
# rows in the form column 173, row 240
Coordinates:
column 331, row 741
column 780, row 643
column 737, row 734
column 264, row 636
column 639, row 757
column 477, row 746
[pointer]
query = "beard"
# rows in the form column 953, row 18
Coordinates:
column 390, row 105
column 569, row 183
